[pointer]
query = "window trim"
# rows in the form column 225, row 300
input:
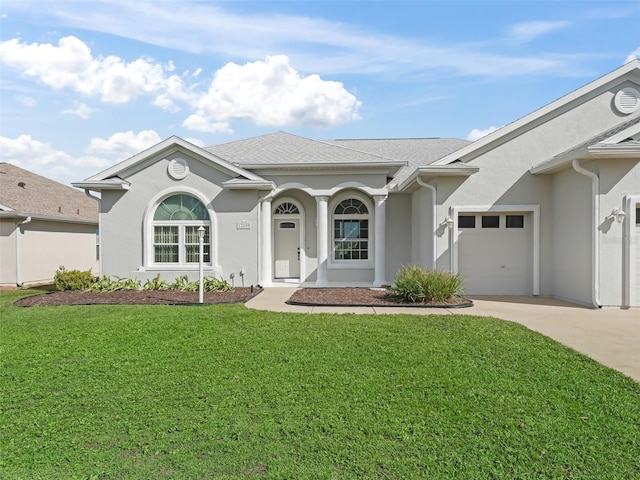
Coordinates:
column 369, row 216
column 148, row 251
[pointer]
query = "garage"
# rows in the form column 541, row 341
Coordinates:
column 495, row 252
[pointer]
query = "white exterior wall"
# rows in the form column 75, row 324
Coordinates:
column 125, row 212
column 504, row 179
column 571, row 252
column 618, row 178
column 8, row 252
column 398, row 233
column 44, row 246
column 422, row 235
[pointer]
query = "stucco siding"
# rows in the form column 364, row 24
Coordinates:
column 45, row 246
column 126, row 217
column 571, row 253
column 398, row 234
column 618, row 178
column 7, row 252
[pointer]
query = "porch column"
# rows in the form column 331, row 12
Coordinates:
column 322, row 253
column 380, row 240
column 266, row 273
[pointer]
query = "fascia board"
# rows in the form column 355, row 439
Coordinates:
column 5, row 208
column 97, row 185
column 557, row 163
column 325, row 165
column 47, row 218
column 248, row 185
column 618, row 150
column 538, row 114
column 443, row 171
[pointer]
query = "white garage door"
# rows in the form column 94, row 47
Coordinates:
column 637, row 251
column 495, row 253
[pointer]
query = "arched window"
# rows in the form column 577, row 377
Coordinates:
column 175, row 230
column 286, row 208
column 351, row 230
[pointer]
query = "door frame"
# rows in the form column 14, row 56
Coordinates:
column 535, row 214
column 275, row 218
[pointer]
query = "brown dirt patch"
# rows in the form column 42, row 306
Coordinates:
column 138, row 297
column 363, row 297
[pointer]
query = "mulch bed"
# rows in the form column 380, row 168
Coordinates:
column 363, row 297
column 139, row 297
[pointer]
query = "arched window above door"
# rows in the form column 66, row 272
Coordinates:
column 286, row 208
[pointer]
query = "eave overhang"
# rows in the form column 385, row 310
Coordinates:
column 99, row 185
column 390, row 168
column 244, row 184
column 46, row 218
column 592, row 152
column 431, row 171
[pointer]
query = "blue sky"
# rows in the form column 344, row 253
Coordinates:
column 85, row 84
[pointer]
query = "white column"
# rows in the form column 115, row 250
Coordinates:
column 380, row 240
column 266, row 275
column 323, row 238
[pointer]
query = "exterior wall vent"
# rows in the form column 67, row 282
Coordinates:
column 627, row 100
column 178, row 168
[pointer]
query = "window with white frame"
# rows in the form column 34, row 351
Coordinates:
column 351, row 230
column 175, row 230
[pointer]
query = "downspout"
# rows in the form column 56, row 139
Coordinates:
column 595, row 240
column 18, row 262
column 87, row 192
column 434, row 252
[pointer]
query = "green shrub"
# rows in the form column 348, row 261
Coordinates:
column 212, row 284
column 72, row 279
column 421, row 285
column 106, row 284
column 156, row 284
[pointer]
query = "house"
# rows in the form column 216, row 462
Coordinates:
column 43, row 225
column 548, row 205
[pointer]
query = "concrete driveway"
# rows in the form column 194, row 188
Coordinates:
column 609, row 335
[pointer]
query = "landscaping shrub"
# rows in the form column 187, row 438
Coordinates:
column 182, row 283
column 105, row 284
column 417, row 284
column 72, row 279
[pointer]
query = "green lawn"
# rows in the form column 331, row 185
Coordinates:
column 157, row 392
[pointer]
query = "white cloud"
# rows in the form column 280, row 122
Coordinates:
column 633, row 55
column 82, row 110
column 476, row 134
column 527, row 31
column 70, row 65
column 271, row 92
column 41, row 158
column 27, row 101
column 124, row 144
column 199, row 123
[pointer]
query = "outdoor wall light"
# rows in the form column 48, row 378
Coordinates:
column 618, row 214
column 447, row 222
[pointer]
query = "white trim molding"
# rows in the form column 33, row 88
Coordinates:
column 533, row 209
column 630, row 240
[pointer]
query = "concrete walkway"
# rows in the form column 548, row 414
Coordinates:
column 609, row 335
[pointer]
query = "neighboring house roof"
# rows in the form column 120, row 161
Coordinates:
column 621, row 140
column 26, row 194
column 525, row 123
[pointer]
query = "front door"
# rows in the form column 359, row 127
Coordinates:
column 287, row 248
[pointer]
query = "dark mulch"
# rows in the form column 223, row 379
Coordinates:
column 140, row 297
column 364, row 297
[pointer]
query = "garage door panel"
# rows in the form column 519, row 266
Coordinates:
column 496, row 261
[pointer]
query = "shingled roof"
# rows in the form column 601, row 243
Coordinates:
column 23, row 194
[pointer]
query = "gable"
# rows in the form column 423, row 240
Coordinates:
column 179, row 156
column 577, row 116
